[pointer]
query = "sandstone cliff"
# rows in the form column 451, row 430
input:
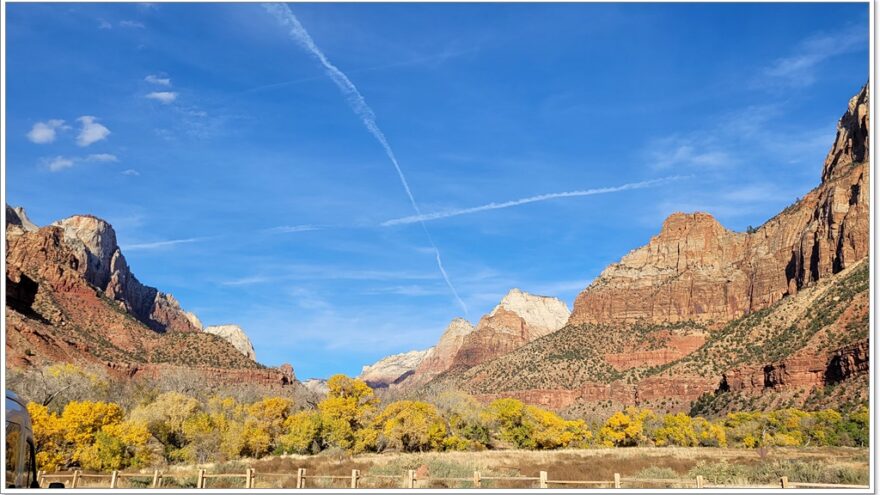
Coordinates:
column 235, row 336
column 518, row 319
column 706, row 318
column 106, row 268
column 71, row 298
column 393, row 369
column 695, row 269
column 439, row 358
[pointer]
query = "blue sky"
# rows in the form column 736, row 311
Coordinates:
column 240, row 178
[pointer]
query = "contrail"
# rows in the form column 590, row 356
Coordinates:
column 359, row 105
column 422, row 218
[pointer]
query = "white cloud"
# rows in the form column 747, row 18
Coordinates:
column 800, row 68
column 59, row 163
column 687, row 152
column 131, row 172
column 102, row 24
column 161, row 244
column 424, row 217
column 286, row 229
column 44, row 132
column 161, row 81
column 131, row 24
column 91, row 131
column 101, row 157
column 165, row 97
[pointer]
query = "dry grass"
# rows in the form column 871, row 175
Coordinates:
column 388, row 470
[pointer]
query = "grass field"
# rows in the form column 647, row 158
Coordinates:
column 716, row 465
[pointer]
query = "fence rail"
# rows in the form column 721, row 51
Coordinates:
column 410, row 479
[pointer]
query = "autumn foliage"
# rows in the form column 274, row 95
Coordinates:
column 173, row 427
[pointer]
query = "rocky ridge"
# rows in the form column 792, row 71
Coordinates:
column 235, row 336
column 72, row 298
column 393, row 369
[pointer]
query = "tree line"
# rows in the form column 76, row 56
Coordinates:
column 173, row 427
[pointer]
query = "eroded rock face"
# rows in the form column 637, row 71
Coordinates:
column 518, row 319
column 316, row 385
column 391, row 370
column 235, row 336
column 16, row 218
column 440, row 357
column 697, row 270
column 94, row 241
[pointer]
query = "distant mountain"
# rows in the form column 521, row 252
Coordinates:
column 519, row 318
column 393, row 369
column 71, row 297
column 714, row 319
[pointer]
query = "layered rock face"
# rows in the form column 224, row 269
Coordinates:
column 519, row 319
column 106, row 268
column 392, row 369
column 439, row 358
column 235, row 336
column 696, row 270
column 71, row 298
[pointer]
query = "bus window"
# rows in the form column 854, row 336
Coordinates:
column 30, row 467
column 13, row 443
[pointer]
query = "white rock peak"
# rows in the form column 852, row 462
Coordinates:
column 235, row 336
column 538, row 311
column 390, row 368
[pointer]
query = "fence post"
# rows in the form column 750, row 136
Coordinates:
column 156, row 478
column 478, row 482
column 616, row 480
column 114, row 477
column 784, row 481
column 249, row 478
column 301, row 478
column 410, row 479
column 699, row 482
column 75, row 479
column 542, row 479
column 200, row 483
column 40, row 474
column 355, row 474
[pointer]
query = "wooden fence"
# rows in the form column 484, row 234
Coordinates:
column 248, row 479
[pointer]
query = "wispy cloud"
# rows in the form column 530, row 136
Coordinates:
column 164, row 97
column 59, row 163
column 427, row 59
column 523, row 201
column 44, row 132
column 158, row 80
column 801, row 67
column 286, row 229
column 101, row 157
column 103, row 24
column 90, row 131
column 130, row 172
column 161, row 244
column 674, row 152
column 131, row 24
column 360, row 107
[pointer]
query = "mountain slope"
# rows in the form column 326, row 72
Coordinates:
column 71, row 298
column 714, row 319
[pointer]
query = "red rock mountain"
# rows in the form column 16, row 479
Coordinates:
column 71, row 297
column 701, row 312
column 695, row 269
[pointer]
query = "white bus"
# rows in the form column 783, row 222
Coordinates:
column 21, row 466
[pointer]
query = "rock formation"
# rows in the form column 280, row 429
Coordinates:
column 71, row 298
column 391, row 370
column 235, row 336
column 518, row 319
column 106, row 268
column 696, row 270
column 439, row 358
